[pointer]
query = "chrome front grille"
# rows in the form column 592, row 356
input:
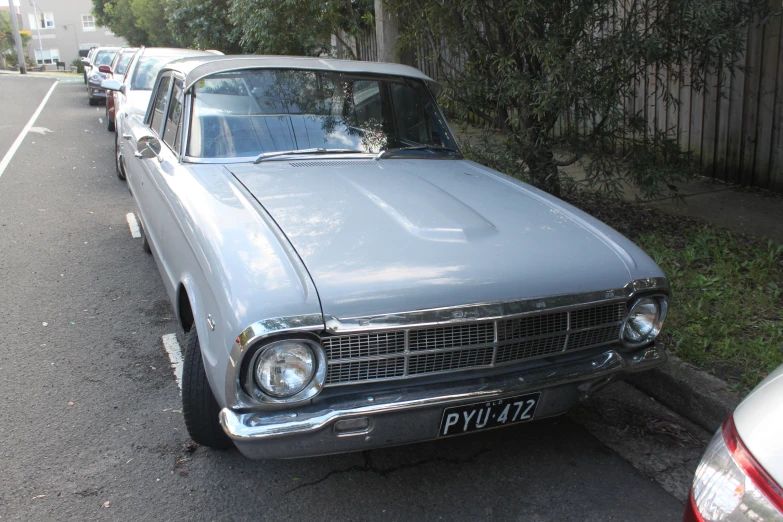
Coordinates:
column 364, row 345
column 416, row 351
column 451, row 336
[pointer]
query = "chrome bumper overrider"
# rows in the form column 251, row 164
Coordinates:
column 413, row 413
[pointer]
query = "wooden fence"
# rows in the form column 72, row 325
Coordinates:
column 733, row 127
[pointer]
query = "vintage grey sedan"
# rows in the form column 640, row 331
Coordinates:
column 347, row 280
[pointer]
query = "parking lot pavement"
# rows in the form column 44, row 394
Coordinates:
column 92, row 427
column 19, row 99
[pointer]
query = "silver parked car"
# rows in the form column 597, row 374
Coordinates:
column 96, row 72
column 347, row 280
column 740, row 477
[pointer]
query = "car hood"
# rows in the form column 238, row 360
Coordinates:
column 759, row 422
column 388, row 236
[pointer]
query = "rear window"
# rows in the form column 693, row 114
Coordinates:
column 124, row 61
column 104, row 57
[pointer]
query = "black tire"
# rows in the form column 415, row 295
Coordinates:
column 198, row 403
column 118, row 164
column 92, row 101
column 109, row 122
column 144, row 243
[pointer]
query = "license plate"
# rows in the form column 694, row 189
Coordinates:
column 485, row 415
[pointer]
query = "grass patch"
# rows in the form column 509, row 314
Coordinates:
column 726, row 314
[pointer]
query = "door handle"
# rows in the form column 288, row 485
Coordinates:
column 138, row 155
column 126, row 136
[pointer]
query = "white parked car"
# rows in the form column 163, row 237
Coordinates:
column 740, row 476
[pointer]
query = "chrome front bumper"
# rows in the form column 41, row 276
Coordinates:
column 413, row 414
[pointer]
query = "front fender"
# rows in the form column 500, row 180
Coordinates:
column 217, row 242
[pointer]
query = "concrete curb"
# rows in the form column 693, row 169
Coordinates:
column 696, row 395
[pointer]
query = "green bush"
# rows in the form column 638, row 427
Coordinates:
column 11, row 60
column 79, row 65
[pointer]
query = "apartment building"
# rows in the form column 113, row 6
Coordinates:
column 59, row 29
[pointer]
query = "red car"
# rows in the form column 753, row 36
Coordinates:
column 117, row 71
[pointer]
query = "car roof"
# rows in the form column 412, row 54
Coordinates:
column 172, row 51
column 195, row 69
column 122, row 51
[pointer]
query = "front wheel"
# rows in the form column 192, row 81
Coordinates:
column 92, row 101
column 199, row 406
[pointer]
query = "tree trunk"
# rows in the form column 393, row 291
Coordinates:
column 544, row 174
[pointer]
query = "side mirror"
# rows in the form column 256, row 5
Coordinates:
column 113, row 85
column 148, row 147
column 85, row 61
column 104, row 68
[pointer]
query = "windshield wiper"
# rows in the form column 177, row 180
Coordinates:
column 433, row 148
column 266, row 155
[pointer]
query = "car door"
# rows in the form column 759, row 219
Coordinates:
column 139, row 169
column 165, row 116
column 150, row 180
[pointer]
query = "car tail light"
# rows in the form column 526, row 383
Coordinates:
column 730, row 485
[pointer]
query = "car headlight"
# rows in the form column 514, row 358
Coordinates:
column 644, row 320
column 97, row 77
column 285, row 368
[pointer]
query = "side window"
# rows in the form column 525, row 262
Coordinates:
column 158, row 110
column 367, row 103
column 413, row 117
column 174, row 118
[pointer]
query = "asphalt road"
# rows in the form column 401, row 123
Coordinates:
column 90, row 421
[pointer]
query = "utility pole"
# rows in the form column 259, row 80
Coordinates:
column 38, row 30
column 17, row 38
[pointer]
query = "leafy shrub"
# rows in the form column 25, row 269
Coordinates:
column 79, row 65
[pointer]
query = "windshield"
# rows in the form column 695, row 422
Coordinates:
column 124, row 61
column 258, row 111
column 145, row 73
column 104, row 57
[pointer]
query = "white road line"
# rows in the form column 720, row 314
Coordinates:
column 135, row 231
column 10, row 154
column 175, row 356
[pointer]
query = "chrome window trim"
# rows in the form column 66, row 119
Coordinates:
column 174, row 77
column 284, row 158
column 188, row 88
column 238, row 399
column 151, row 106
column 184, row 134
